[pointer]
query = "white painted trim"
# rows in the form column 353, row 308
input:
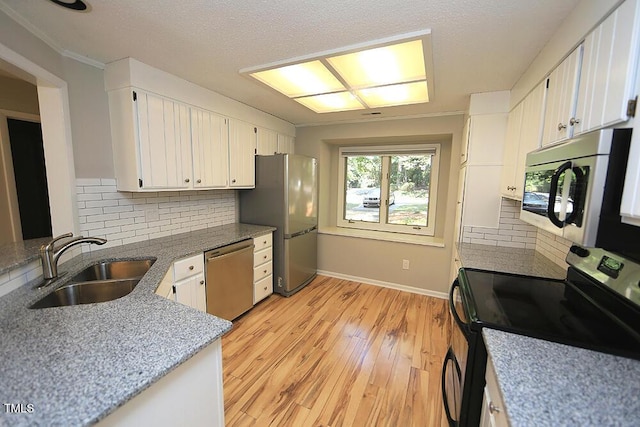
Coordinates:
column 383, row 284
column 27, row 117
column 81, row 58
column 46, row 39
column 53, row 99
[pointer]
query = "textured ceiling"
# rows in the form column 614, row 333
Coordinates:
column 478, row 45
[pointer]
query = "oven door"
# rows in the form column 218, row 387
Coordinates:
column 455, row 363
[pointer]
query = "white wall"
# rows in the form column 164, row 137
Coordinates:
column 375, row 260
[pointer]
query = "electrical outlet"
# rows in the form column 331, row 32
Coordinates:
column 405, row 264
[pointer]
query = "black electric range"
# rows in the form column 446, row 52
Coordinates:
column 596, row 307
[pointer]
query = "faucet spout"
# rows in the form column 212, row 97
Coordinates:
column 50, row 256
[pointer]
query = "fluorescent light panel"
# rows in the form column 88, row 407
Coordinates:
column 371, row 78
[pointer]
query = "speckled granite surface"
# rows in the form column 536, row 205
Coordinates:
column 14, row 255
column 77, row 364
column 549, row 384
column 509, row 260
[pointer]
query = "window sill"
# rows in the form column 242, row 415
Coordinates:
column 385, row 236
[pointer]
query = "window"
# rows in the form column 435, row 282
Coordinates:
column 389, row 188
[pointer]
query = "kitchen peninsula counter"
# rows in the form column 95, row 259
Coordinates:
column 75, row 365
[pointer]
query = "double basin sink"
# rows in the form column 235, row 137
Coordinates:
column 100, row 282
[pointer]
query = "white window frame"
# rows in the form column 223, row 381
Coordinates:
column 388, row 150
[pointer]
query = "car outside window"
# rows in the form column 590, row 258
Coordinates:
column 389, row 188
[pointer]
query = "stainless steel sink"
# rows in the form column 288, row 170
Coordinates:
column 87, row 293
column 100, row 282
column 114, row 270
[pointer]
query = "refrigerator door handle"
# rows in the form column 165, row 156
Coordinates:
column 300, row 233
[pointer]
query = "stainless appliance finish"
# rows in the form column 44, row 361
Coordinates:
column 596, row 307
column 286, row 197
column 229, row 279
column 564, row 184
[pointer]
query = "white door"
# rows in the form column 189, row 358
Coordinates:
column 164, row 142
column 209, row 136
column 242, row 150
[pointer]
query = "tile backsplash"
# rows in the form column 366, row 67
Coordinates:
column 553, row 247
column 124, row 217
column 511, row 231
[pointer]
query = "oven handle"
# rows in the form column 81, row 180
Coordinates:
column 463, row 326
column 449, row 356
column 553, row 192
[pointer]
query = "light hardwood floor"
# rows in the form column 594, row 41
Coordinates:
column 337, row 353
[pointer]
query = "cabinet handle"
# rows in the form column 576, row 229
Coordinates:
column 265, row 288
column 186, row 180
column 265, row 272
column 574, row 121
column 511, row 188
column 264, row 243
column 202, row 282
column 191, row 267
column 233, row 181
column 264, row 257
column 199, row 181
column 561, row 126
column 493, row 408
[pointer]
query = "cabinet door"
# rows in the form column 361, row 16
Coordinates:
column 164, row 142
column 285, row 144
column 459, row 204
column 191, row 291
column 510, row 158
column 209, row 136
column 607, row 77
column 530, row 134
column 242, row 150
column 267, row 142
column 562, row 87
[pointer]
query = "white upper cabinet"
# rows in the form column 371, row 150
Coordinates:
column 562, row 89
column 242, row 150
column 151, row 141
column 267, row 142
column 524, row 133
column 608, row 69
column 285, row 144
column 209, row 136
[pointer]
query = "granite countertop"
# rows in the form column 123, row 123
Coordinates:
column 509, row 260
column 549, row 384
column 77, row 364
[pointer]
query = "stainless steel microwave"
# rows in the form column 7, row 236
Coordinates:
column 565, row 183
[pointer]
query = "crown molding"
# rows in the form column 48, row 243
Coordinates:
column 7, row 10
column 381, row 119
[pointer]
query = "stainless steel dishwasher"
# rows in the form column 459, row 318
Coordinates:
column 229, row 279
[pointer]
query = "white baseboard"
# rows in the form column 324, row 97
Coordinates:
column 396, row 286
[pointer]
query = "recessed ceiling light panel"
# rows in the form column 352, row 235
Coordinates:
column 392, row 72
column 402, row 94
column 341, row 101
column 308, row 78
column 385, row 65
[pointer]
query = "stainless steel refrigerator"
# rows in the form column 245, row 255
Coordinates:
column 286, row 197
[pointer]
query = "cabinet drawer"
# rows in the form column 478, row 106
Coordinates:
column 263, row 288
column 188, row 267
column 262, row 271
column 263, row 242
column 260, row 257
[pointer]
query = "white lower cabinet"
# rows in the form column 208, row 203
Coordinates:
column 185, row 283
column 494, row 413
column 189, row 395
column 262, row 267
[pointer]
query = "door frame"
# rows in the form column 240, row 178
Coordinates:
column 53, row 101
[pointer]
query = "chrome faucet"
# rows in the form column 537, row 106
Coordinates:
column 49, row 255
